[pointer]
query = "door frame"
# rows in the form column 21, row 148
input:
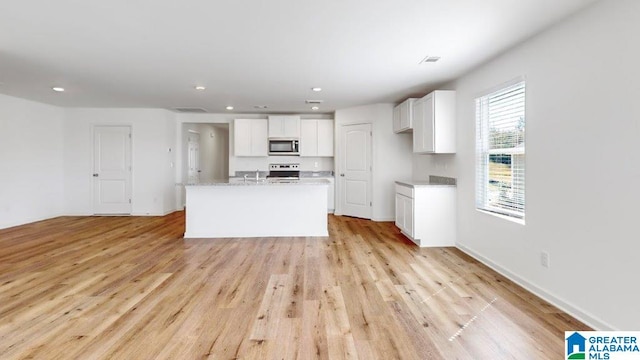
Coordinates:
column 340, row 191
column 187, row 159
column 94, row 126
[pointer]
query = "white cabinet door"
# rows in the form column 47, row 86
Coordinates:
column 423, row 125
column 404, row 214
column 434, row 123
column 399, row 211
column 259, row 139
column 316, row 138
column 325, row 138
column 250, row 137
column 331, row 198
column 408, row 216
column 396, row 119
column 284, row 126
column 403, row 116
column 309, row 138
column 276, row 128
column 291, row 126
column 242, row 137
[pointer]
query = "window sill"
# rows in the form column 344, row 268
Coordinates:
column 504, row 217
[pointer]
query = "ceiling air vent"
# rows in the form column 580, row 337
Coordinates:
column 190, row 110
column 313, row 101
column 429, row 59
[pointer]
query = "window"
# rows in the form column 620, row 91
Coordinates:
column 500, row 151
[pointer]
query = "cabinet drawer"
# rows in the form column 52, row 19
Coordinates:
column 404, row 190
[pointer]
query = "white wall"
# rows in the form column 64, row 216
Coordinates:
column 391, row 158
column 216, row 148
column 582, row 166
column 153, row 151
column 31, row 155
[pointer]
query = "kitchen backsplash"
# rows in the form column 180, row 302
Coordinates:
column 249, row 164
column 251, row 174
column 316, row 173
column 433, row 179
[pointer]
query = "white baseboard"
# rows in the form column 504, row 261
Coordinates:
column 165, row 213
column 384, row 219
column 561, row 304
column 28, row 220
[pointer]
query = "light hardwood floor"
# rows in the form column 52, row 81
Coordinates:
column 133, row 288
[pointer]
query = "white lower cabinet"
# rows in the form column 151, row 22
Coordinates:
column 331, row 200
column 404, row 214
column 426, row 214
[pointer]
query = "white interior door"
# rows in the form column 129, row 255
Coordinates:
column 193, row 158
column 355, row 170
column 112, row 170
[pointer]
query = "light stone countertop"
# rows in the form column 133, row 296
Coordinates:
column 414, row 183
column 433, row 181
column 262, row 182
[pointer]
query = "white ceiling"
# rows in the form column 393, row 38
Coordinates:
column 151, row 53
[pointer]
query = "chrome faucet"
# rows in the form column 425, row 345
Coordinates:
column 257, row 174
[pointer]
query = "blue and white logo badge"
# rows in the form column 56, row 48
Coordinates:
column 602, row 345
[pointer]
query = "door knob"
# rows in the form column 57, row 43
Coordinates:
column 95, row 175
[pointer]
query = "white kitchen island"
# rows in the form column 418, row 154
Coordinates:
column 256, row 209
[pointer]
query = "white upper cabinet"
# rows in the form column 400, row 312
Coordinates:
column 434, row 123
column 325, row 137
column 308, row 138
column 403, row 116
column 284, row 126
column 250, row 137
column 316, row 138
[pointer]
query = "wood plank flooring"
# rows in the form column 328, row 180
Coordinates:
column 133, row 288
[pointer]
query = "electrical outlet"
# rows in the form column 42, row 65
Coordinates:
column 315, row 164
column 545, row 260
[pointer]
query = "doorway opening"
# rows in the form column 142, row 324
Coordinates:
column 205, row 153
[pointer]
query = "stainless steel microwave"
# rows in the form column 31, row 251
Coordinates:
column 284, row 147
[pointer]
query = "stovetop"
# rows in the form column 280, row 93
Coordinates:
column 284, row 171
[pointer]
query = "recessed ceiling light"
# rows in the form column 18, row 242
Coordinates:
column 314, row 108
column 316, row 89
column 200, row 88
column 229, row 108
column 57, row 89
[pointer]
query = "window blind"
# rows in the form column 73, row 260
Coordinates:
column 500, row 151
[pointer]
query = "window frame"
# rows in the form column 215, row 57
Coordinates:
column 484, row 150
